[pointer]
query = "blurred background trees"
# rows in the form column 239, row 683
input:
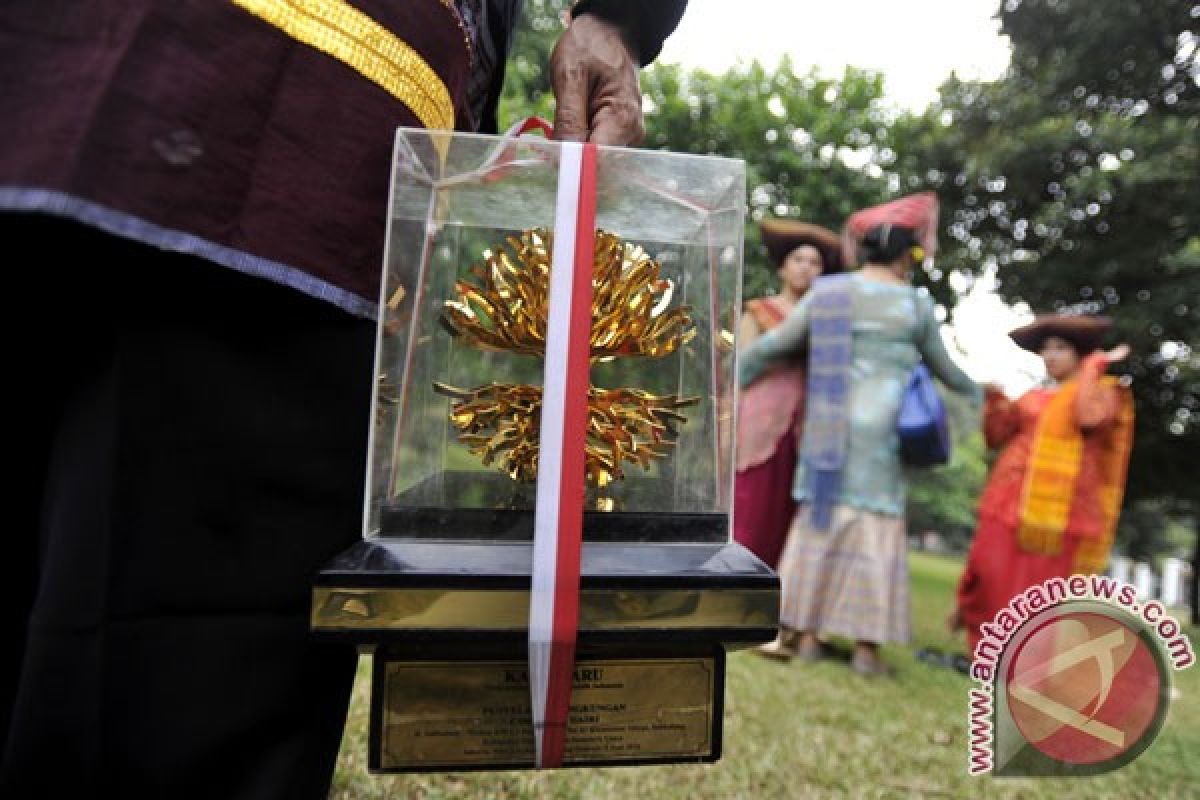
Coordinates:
column 1073, row 181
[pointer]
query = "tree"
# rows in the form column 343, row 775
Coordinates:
column 944, row 499
column 816, row 148
column 526, row 90
column 1074, row 178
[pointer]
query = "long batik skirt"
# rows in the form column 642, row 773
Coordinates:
column 851, row 580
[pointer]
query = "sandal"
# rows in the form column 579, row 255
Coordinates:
column 931, row 656
column 782, row 648
column 936, row 658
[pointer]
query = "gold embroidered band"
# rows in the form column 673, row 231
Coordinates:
column 338, row 29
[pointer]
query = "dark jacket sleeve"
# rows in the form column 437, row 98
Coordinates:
column 646, row 23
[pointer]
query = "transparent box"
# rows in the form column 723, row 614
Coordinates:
column 453, row 442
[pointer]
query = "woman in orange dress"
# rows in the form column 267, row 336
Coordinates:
column 770, row 410
column 1051, row 503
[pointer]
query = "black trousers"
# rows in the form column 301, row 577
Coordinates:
column 190, row 449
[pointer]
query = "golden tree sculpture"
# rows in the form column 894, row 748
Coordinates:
column 506, row 310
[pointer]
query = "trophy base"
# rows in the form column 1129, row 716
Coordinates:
column 447, row 623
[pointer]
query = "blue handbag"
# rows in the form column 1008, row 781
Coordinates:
column 924, row 432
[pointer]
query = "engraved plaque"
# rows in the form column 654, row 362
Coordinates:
column 475, row 714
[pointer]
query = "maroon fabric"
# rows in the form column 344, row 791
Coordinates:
column 763, row 505
column 198, row 116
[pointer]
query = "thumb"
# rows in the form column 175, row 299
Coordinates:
column 606, row 129
column 618, row 123
column 570, row 85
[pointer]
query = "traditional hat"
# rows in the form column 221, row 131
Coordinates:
column 782, row 236
column 1086, row 332
column 918, row 212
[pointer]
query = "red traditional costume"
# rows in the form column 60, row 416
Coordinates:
column 1051, row 503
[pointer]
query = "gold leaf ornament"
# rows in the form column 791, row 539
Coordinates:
column 501, row 424
column 505, row 309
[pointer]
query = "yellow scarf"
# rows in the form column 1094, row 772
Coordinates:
column 1054, row 465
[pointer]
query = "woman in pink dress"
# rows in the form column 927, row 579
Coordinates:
column 770, row 411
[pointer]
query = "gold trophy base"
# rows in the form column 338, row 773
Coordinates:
column 447, row 623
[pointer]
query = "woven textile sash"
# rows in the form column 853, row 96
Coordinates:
column 767, row 410
column 1115, row 448
column 1055, row 461
column 826, row 419
column 767, row 314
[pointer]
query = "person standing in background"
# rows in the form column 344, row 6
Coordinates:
column 844, row 569
column 771, row 409
column 1053, row 497
column 204, row 184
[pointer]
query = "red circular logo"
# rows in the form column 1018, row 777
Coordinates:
column 1084, row 688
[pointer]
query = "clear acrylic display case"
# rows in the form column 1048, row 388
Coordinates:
column 439, row 589
column 458, row 200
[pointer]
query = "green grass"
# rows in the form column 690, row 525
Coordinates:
column 799, row 730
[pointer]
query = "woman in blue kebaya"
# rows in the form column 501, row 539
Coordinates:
column 844, row 569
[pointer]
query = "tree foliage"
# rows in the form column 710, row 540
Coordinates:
column 526, row 80
column 816, row 148
column 1074, row 177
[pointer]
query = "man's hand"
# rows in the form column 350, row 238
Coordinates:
column 595, row 81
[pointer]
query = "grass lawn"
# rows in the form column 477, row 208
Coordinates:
column 799, row 730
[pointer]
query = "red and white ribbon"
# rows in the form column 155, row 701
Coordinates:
column 558, row 521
